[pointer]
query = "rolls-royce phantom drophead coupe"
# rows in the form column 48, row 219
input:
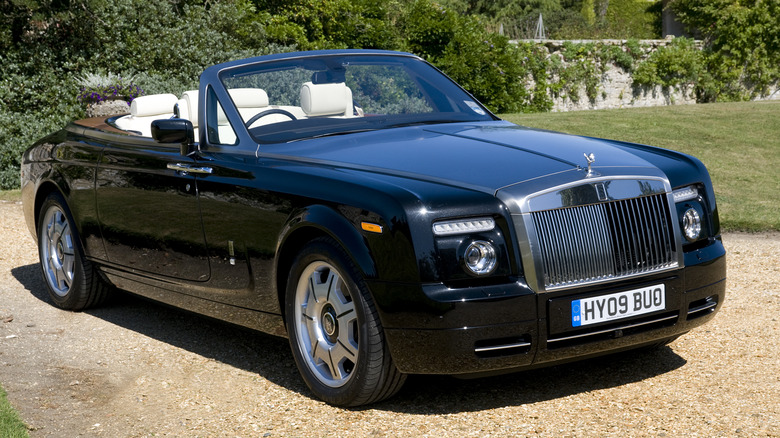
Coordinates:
column 363, row 205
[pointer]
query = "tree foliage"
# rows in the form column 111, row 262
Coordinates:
column 566, row 19
column 484, row 63
column 46, row 45
column 742, row 45
column 679, row 63
column 323, row 24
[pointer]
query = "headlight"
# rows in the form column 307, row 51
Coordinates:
column 470, row 249
column 691, row 224
column 463, row 226
column 480, row 257
column 685, row 194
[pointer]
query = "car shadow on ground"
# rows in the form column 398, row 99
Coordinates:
column 439, row 395
column 270, row 357
column 258, row 353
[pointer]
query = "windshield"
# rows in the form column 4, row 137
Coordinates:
column 308, row 97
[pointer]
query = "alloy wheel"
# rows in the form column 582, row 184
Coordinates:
column 57, row 252
column 326, row 324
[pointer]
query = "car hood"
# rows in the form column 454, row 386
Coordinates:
column 484, row 156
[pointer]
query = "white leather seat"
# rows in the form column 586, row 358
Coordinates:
column 146, row 109
column 249, row 101
column 253, row 101
column 319, row 100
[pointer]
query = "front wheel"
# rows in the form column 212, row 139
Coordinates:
column 71, row 280
column 335, row 334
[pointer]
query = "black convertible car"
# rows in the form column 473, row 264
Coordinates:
column 368, row 208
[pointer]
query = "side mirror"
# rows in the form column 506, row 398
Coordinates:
column 175, row 131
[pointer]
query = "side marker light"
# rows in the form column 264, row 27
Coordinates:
column 371, row 228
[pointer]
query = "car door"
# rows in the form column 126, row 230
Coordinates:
column 146, row 195
column 241, row 218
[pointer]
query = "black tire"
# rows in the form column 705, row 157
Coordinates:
column 335, row 334
column 70, row 279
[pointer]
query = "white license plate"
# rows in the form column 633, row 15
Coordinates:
column 618, row 305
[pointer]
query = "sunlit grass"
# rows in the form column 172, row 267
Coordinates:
column 10, row 195
column 11, row 425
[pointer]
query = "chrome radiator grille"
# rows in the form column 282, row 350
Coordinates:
column 605, row 241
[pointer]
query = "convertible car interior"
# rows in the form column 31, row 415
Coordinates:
column 316, row 100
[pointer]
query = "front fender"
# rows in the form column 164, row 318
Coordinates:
column 317, row 220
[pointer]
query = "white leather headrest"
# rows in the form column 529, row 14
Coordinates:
column 324, row 99
column 190, row 99
column 249, row 97
column 152, row 105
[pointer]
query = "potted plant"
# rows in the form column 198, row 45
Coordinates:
column 107, row 94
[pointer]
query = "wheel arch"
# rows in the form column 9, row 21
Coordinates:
column 43, row 191
column 309, row 224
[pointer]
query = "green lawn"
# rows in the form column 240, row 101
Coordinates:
column 10, row 424
column 738, row 142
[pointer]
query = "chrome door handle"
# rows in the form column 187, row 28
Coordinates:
column 186, row 168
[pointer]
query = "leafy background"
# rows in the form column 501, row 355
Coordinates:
column 46, row 45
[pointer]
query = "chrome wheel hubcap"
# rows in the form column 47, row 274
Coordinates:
column 330, row 324
column 57, row 254
column 326, row 324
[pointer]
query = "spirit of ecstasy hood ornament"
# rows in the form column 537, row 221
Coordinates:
column 591, row 159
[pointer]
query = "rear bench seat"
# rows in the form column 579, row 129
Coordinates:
column 144, row 110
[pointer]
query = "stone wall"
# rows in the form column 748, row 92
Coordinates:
column 616, row 86
column 618, row 91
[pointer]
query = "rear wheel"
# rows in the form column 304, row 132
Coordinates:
column 70, row 278
column 335, row 333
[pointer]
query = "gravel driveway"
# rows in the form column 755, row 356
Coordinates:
column 136, row 369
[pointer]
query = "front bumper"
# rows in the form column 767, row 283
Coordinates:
column 502, row 328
